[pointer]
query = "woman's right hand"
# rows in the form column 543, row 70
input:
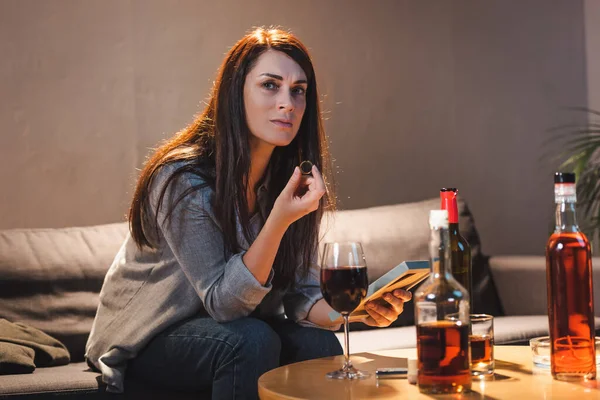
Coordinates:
column 299, row 197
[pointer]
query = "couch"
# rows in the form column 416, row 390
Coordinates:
column 50, row 279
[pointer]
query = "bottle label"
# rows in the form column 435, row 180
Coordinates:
column 565, row 193
column 438, row 219
column 426, row 312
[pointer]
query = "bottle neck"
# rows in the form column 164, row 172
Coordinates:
column 565, row 198
column 439, row 252
column 566, row 221
column 453, row 229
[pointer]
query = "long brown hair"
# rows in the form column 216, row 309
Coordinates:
column 216, row 148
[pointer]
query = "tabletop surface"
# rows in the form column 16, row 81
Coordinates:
column 515, row 377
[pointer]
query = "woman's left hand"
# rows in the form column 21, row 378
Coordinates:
column 383, row 315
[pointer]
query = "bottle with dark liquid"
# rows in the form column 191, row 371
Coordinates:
column 442, row 319
column 570, row 290
column 459, row 247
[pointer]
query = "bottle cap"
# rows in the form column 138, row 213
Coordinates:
column 564, row 177
column 412, row 371
column 564, row 187
column 448, row 202
column 438, row 219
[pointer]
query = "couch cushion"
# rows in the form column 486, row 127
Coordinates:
column 395, row 233
column 69, row 378
column 519, row 329
column 78, row 381
column 527, row 295
column 50, row 278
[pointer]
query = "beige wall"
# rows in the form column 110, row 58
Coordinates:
column 419, row 95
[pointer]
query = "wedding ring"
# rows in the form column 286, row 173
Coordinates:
column 306, row 167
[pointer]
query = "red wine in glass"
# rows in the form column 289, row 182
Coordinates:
column 344, row 287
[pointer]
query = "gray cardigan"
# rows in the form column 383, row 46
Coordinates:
column 146, row 291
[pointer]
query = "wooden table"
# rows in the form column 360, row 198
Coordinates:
column 515, row 378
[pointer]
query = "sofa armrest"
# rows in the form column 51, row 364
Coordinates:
column 521, row 284
column 51, row 278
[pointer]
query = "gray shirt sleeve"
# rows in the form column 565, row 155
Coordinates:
column 298, row 301
column 227, row 288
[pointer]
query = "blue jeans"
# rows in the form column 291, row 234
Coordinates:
column 199, row 354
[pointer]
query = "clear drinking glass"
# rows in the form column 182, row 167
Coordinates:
column 344, row 284
column 482, row 345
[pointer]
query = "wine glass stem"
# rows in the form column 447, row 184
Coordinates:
column 347, row 364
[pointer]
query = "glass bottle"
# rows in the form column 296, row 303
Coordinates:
column 569, row 290
column 462, row 269
column 442, row 319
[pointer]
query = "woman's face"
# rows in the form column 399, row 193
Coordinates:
column 274, row 99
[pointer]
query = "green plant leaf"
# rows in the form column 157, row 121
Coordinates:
column 576, row 147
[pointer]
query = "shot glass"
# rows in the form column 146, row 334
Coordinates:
column 540, row 351
column 482, row 345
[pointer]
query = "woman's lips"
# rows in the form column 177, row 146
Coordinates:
column 282, row 124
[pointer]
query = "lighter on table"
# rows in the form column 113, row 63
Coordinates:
column 391, row 372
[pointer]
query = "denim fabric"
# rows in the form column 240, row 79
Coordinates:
column 200, row 354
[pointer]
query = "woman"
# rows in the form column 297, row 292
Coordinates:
column 223, row 237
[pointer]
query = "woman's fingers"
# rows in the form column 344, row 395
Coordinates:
column 319, row 183
column 378, row 310
column 403, row 294
column 300, row 196
column 308, row 182
column 398, row 299
column 315, row 189
column 396, row 303
column 293, row 182
column 382, row 315
column 376, row 318
column 314, row 181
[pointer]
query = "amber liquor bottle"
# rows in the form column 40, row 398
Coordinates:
column 442, row 319
column 570, row 290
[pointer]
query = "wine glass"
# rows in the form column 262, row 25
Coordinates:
column 344, row 284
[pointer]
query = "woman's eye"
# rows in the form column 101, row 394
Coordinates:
column 270, row 85
column 299, row 90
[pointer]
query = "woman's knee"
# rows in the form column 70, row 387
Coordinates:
column 321, row 343
column 255, row 342
column 301, row 343
column 329, row 343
